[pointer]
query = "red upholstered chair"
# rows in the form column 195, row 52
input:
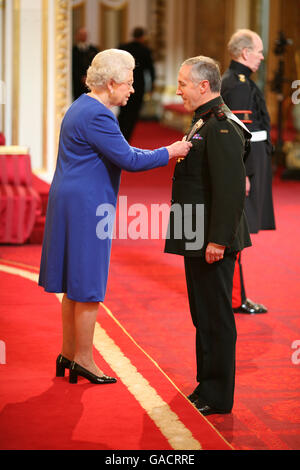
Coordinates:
column 176, row 116
column 20, row 204
column 42, row 188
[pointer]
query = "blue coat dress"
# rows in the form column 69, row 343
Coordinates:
column 92, row 152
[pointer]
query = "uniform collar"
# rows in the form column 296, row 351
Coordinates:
column 240, row 68
column 207, row 107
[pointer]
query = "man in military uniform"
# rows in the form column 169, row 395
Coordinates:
column 246, row 101
column 130, row 113
column 211, row 176
column 82, row 56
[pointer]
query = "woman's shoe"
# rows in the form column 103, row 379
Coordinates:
column 62, row 363
column 76, row 370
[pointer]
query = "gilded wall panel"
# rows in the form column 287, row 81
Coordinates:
column 62, row 60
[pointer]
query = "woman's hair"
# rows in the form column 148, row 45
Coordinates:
column 109, row 64
column 241, row 39
column 205, row 68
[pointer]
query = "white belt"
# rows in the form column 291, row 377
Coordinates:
column 259, row 136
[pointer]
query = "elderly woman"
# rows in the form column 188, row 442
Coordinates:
column 92, row 152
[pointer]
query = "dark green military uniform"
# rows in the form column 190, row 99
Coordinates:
column 244, row 98
column 213, row 175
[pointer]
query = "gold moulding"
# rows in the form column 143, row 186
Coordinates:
column 62, row 34
column 62, row 18
column 61, row 98
column 61, row 57
column 61, row 84
column 13, row 150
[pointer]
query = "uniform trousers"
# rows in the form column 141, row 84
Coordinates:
column 129, row 114
column 209, row 289
column 238, row 291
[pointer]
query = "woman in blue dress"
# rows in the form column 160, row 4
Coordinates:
column 92, row 152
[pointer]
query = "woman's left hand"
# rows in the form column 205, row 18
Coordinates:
column 179, row 149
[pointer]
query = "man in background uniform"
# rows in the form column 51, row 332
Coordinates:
column 246, row 101
column 212, row 177
column 82, row 56
column 129, row 114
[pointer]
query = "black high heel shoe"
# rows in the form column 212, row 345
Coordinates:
column 76, row 370
column 62, row 363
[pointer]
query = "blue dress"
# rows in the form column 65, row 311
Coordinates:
column 92, row 152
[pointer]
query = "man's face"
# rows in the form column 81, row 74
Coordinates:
column 187, row 89
column 255, row 54
column 82, row 35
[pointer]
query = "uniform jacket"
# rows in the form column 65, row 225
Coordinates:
column 247, row 102
column 212, row 175
column 81, row 60
column 144, row 63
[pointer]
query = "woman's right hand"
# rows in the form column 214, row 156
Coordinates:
column 179, row 149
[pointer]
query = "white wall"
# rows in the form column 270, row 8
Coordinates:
column 137, row 15
column 2, row 87
column 8, row 73
column 31, row 80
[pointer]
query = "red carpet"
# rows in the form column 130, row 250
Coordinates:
column 143, row 411
column 266, row 414
column 147, row 295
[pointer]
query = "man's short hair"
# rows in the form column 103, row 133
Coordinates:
column 205, row 68
column 138, row 32
column 241, row 39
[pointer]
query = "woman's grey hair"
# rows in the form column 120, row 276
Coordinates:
column 241, row 39
column 205, row 68
column 111, row 64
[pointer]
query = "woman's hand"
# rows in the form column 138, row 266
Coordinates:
column 179, row 149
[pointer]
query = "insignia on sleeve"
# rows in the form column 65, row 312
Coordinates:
column 224, row 131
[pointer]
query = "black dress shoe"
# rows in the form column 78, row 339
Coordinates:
column 76, row 370
column 193, row 397
column 206, row 410
column 62, row 363
column 250, row 307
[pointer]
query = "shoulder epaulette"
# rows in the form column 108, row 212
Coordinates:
column 242, row 77
column 219, row 113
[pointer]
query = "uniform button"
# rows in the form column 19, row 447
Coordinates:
column 172, row 200
column 173, row 178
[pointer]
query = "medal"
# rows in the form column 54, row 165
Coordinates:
column 196, row 126
column 193, row 131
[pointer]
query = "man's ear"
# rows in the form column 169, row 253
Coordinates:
column 245, row 53
column 204, row 86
